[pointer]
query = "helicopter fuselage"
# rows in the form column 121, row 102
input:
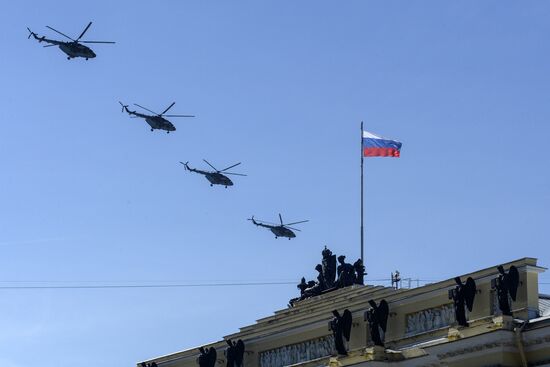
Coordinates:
column 75, row 49
column 160, row 123
column 280, row 231
column 216, row 178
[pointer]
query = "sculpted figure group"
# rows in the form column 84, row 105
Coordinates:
column 234, row 355
column 330, row 276
column 505, row 284
column 376, row 317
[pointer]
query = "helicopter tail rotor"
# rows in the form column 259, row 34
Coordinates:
column 31, row 33
column 185, row 165
column 123, row 106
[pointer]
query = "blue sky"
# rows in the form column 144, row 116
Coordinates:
column 90, row 196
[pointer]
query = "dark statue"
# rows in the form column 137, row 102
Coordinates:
column 208, row 357
column 315, row 288
column 377, row 317
column 506, row 285
column 463, row 295
column 310, row 288
column 302, row 286
column 235, row 353
column 321, row 284
column 359, row 271
column 341, row 329
column 346, row 273
column 326, row 278
column 329, row 267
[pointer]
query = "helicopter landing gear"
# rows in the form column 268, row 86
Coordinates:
column 211, row 185
column 86, row 59
column 226, row 187
column 152, row 129
column 289, row 238
column 168, row 132
column 68, row 57
column 276, row 237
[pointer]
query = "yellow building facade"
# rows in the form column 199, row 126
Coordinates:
column 421, row 328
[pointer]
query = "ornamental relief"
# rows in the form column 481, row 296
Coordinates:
column 296, row 353
column 430, row 319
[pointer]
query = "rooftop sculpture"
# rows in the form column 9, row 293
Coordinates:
column 208, row 357
column 235, row 353
column 506, row 285
column 348, row 274
column 328, row 267
column 463, row 295
column 341, row 329
column 377, row 317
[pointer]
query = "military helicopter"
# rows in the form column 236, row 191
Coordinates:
column 282, row 230
column 215, row 177
column 73, row 49
column 157, row 120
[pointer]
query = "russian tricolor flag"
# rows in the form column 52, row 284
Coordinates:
column 376, row 146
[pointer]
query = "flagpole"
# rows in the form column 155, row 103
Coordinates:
column 362, row 236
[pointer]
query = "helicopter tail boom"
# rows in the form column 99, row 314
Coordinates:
column 32, row 34
column 43, row 39
column 130, row 112
column 260, row 224
column 186, row 165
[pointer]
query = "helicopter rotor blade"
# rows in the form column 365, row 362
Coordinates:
column 178, row 115
column 30, row 33
column 302, row 221
column 167, row 108
column 84, row 31
column 96, row 42
column 208, row 163
column 49, row 45
column 235, row 165
column 63, row 34
column 146, row 109
column 231, row 173
column 281, row 219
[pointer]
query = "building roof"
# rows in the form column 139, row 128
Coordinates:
column 544, row 305
column 308, row 319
